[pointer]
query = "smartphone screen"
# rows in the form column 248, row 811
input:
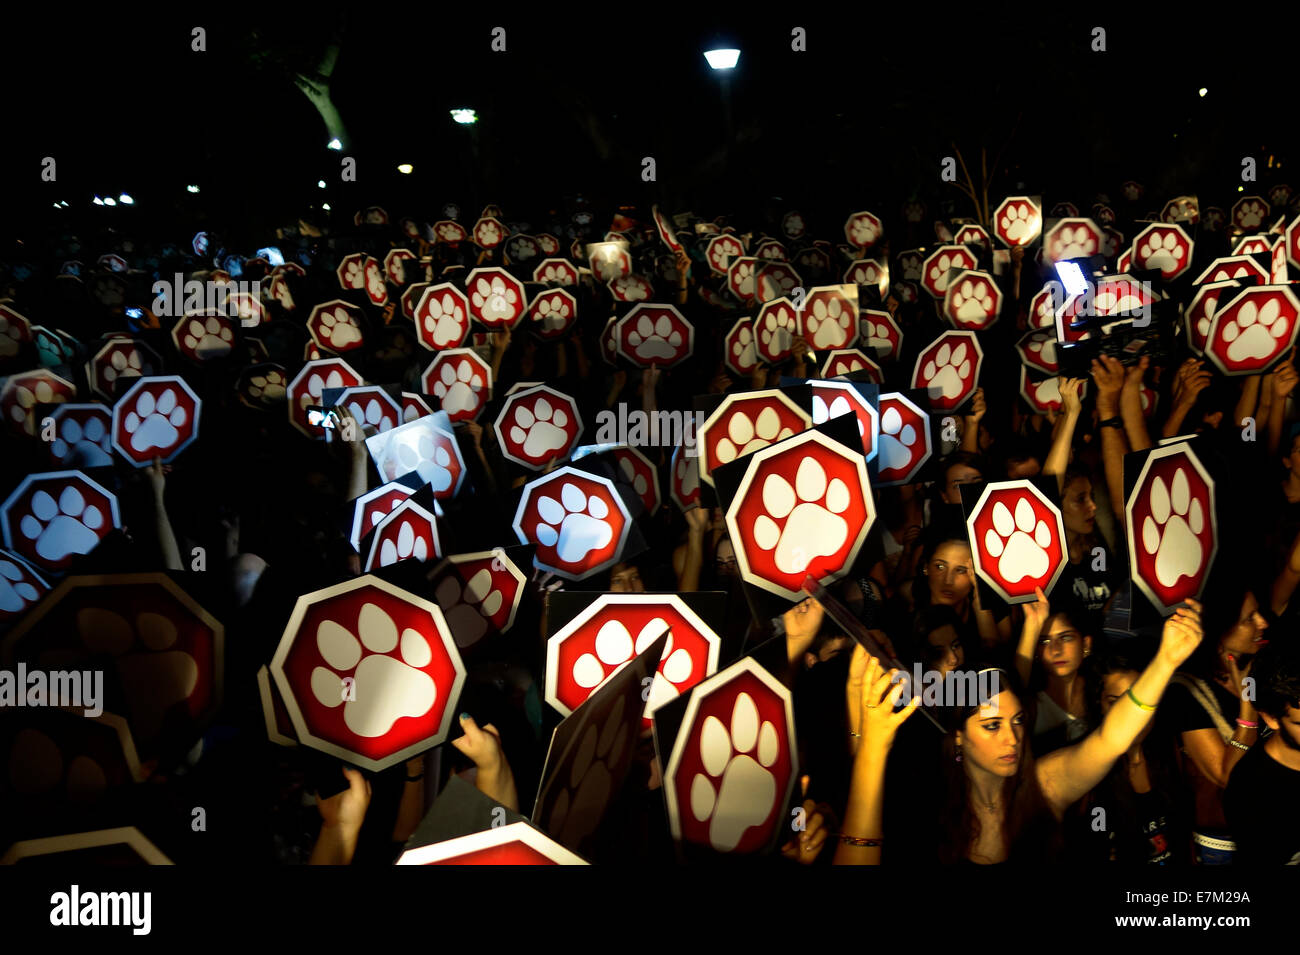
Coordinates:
column 320, row 418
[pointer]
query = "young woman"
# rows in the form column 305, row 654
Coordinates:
column 1008, row 805
column 947, row 578
column 1059, row 645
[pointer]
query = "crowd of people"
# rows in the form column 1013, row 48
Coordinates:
column 1115, row 734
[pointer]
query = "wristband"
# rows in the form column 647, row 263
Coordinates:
column 1132, row 696
column 1241, row 746
column 1248, row 724
column 862, row 843
column 1115, row 422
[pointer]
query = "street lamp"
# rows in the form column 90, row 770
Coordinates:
column 722, row 59
column 406, row 169
column 464, row 116
column 334, row 144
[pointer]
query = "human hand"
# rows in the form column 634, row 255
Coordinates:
column 475, row 432
column 697, row 520
column 799, row 348
column 345, row 811
column 500, row 341
column 802, row 622
column 483, row 745
column 1071, row 403
column 1191, row 380
column 807, row 845
column 977, row 407
column 1108, row 374
column 1285, row 377
column 1036, row 613
column 157, row 477
column 879, row 694
column 1134, row 374
column 1236, row 674
column 683, row 267
column 720, row 384
column 1182, row 634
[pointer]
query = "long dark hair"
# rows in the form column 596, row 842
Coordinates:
column 1030, row 830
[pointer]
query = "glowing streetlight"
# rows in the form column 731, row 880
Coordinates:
column 98, row 201
column 406, row 169
column 334, row 144
column 110, row 201
column 320, row 183
column 722, row 59
column 326, row 206
column 191, row 188
column 1202, row 91
column 125, row 200
column 465, row 117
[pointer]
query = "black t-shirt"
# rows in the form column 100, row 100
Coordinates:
column 1262, row 805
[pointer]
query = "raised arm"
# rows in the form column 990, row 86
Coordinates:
column 1058, row 457
column 166, row 536
column 1191, row 380
column 1036, row 615
column 1066, row 775
column 863, row 834
column 1108, row 375
column 970, row 435
column 1281, row 383
column 1130, row 406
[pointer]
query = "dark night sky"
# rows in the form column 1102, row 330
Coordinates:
column 860, row 120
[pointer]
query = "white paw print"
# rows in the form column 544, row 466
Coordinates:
column 879, row 336
column 557, row 274
column 745, row 436
column 26, row 398
column 1165, row 254
column 1043, row 347
column 210, row 338
column 864, row 231
column 911, row 264
column 17, row 591
column 1206, row 318
column 541, row 430
column 12, row 335
column 429, row 459
column 652, row 339
column 316, row 385
column 972, row 301
column 1018, row 543
column 776, row 281
column 1017, row 222
column 374, row 416
column 450, row 232
column 489, row 234
column 777, row 332
column 948, row 370
column 939, row 271
column 587, row 781
column 375, row 287
column 354, row 274
column 630, row 288
column 794, row 225
column 742, row 348
column 829, row 323
column 444, row 321
column 868, row 273
column 1254, row 332
column 83, row 444
column 686, row 473
column 844, row 365
column 1074, row 242
column 1171, row 531
column 615, row 647
column 338, row 329
column 896, row 441
column 574, row 525
column 458, row 387
column 64, row 527
column 268, row 387
column 810, row 512
column 553, row 314
column 152, row 423
column 1250, row 214
column 122, row 363
column 385, row 688
column 838, row 406
column 469, row 609
column 494, row 299
column 403, row 537
column 736, row 791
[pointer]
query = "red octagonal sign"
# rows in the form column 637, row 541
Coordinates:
column 1072, row 238
column 849, row 360
column 409, row 532
column 904, row 439
column 613, row 630
column 830, row 317
column 577, row 520
column 803, row 507
column 53, row 517
column 479, row 593
column 537, row 425
column 1253, row 329
column 460, row 380
column 1017, row 220
column 442, row 317
column 310, row 383
column 1018, row 538
column 745, row 423
column 774, row 330
column 496, row 298
column 732, row 769
column 654, row 335
column 834, row 398
column 972, row 300
column 368, row 672
column 940, row 266
column 1163, row 246
column 155, row 418
column 949, row 369
column 1172, row 527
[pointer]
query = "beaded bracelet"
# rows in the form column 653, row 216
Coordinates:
column 862, row 843
column 1132, row 696
column 1239, row 745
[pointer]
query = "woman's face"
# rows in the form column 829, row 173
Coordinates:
column 625, row 579
column 1247, row 636
column 1078, row 507
column 949, row 574
column 725, row 558
column 993, row 738
column 1062, row 647
column 946, row 651
column 1114, row 686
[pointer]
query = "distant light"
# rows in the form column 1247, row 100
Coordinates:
column 110, row 201
column 125, row 200
column 191, row 188
column 464, row 116
column 1202, row 91
column 326, row 207
column 99, row 201
column 320, row 183
column 1241, row 188
column 64, row 203
column 57, row 206
column 335, row 144
column 722, row 59
column 406, row 169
